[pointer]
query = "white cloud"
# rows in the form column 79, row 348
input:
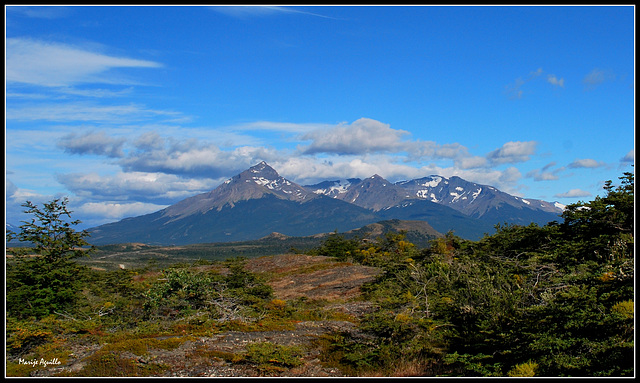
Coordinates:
column 241, row 11
column 134, row 186
column 83, row 111
column 110, row 211
column 191, row 157
column 573, row 193
column 286, row 127
column 309, row 170
column 96, row 93
column 258, row 11
column 545, row 174
column 586, row 163
column 92, row 143
column 40, row 12
column 45, row 63
column 512, row 152
column 471, row 162
column 539, row 175
column 362, row 136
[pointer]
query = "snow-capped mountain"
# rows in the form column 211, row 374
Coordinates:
column 472, row 199
column 253, row 183
column 248, row 206
column 259, row 201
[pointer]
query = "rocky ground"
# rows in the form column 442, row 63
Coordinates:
column 291, row 276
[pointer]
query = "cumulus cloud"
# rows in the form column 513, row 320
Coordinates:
column 471, row 162
column 133, row 186
column 512, row 152
column 157, row 168
column 97, row 143
column 573, row 193
column 47, row 63
column 149, row 141
column 110, row 211
column 366, row 136
column 192, row 158
column 356, row 150
column 309, row 170
column 586, row 163
column 539, row 175
column 361, row 137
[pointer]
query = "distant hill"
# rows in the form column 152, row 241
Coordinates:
column 420, row 233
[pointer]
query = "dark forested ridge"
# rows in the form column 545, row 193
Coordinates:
column 555, row 300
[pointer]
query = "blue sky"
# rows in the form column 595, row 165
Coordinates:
column 128, row 109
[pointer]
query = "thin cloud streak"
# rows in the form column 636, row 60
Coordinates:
column 52, row 64
column 85, row 112
column 586, row 163
column 573, row 193
column 262, row 11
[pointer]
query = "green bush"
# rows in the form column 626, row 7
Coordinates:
column 238, row 295
column 271, row 357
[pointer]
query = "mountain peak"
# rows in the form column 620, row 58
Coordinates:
column 377, row 179
column 253, row 183
column 264, row 170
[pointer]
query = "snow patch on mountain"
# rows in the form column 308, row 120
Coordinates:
column 559, row 205
column 435, row 181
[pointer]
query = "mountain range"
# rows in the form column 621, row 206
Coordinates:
column 258, row 202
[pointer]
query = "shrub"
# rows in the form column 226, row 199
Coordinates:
column 271, row 357
column 527, row 369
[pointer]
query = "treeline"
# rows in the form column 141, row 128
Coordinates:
column 555, row 300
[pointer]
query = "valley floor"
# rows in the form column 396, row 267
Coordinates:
column 336, row 284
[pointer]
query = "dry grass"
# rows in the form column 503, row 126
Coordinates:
column 295, row 275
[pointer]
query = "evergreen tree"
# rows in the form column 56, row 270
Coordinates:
column 42, row 277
